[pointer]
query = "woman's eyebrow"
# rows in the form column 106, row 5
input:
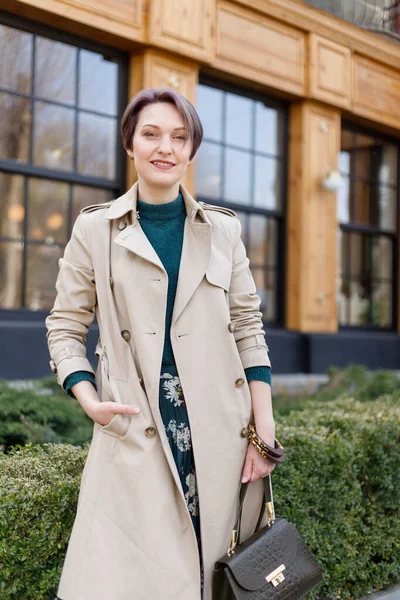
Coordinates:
column 157, row 127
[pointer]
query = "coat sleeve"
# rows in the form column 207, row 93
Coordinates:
column 244, row 304
column 74, row 308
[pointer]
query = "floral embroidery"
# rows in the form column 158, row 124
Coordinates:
column 172, row 386
column 180, row 435
column 191, row 497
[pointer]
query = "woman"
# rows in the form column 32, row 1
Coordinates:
column 183, row 369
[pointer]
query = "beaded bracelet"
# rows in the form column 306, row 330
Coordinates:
column 275, row 455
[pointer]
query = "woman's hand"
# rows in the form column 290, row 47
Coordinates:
column 255, row 466
column 100, row 412
column 103, row 412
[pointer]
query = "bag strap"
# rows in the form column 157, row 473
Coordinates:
column 267, row 504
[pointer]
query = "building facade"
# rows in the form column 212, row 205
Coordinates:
column 289, row 93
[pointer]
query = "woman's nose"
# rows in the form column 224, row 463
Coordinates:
column 165, row 146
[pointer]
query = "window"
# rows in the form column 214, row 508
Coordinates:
column 367, row 212
column 60, row 103
column 241, row 165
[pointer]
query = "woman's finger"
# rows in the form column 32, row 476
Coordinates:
column 126, row 409
column 247, row 469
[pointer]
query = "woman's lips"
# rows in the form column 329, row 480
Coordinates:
column 162, row 165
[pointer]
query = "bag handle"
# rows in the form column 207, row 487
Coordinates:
column 267, row 504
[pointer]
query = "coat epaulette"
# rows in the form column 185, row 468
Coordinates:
column 221, row 209
column 93, row 207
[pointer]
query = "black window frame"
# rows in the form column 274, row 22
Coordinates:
column 279, row 214
column 27, row 170
column 371, row 231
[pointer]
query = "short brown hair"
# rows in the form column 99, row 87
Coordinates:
column 154, row 96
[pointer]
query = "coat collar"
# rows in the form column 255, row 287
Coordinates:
column 128, row 202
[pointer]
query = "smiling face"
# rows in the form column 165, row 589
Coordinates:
column 161, row 148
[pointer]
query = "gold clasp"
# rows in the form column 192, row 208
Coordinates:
column 233, row 542
column 277, row 576
column 270, row 513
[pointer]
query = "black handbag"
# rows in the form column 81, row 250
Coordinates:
column 274, row 563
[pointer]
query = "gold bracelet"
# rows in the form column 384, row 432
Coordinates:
column 275, row 455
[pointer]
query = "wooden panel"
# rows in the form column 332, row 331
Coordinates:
column 330, row 72
column 259, row 48
column 376, row 91
column 317, row 21
column 109, row 21
column 183, row 26
column 126, row 11
column 311, row 219
column 154, row 69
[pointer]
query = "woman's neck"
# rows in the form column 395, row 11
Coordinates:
column 157, row 195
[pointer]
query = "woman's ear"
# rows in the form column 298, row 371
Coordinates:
column 130, row 154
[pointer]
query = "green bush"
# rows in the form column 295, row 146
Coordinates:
column 340, row 485
column 39, row 412
column 38, row 497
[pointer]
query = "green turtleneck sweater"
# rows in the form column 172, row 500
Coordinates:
column 164, row 225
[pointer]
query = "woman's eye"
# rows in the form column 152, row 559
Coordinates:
column 150, row 134
column 181, row 138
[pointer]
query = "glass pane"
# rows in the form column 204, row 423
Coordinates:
column 243, row 221
column 362, row 207
column 359, row 302
column 344, row 246
column 97, row 146
column 343, row 201
column 388, row 168
column 387, row 205
column 360, row 256
column 266, row 183
column 98, row 83
column 11, row 258
column 208, row 170
column 237, row 176
column 239, row 121
column 266, row 289
column 53, row 136
column 84, row 196
column 344, row 162
column 16, row 59
column 363, row 163
column 15, row 126
column 42, row 271
column 382, row 253
column 55, row 76
column 382, row 304
column 48, row 211
column 342, row 302
column 262, row 246
column 267, row 133
column 12, row 209
column 209, row 107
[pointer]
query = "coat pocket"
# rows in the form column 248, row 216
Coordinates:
column 119, row 424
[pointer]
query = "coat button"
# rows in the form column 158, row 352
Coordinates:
column 243, row 433
column 239, row 382
column 126, row 335
column 122, row 226
column 150, row 432
column 231, row 327
column 53, row 366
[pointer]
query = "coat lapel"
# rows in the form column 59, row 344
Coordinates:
column 196, row 248
column 196, row 252
column 134, row 239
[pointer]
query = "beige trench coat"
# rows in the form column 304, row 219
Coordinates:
column 133, row 538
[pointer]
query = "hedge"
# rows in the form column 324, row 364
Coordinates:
column 340, row 485
column 39, row 412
